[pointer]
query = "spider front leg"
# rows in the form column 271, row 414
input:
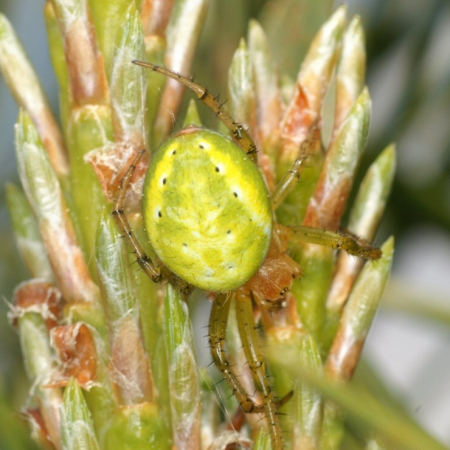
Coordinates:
column 305, row 234
column 238, row 131
column 292, row 177
column 334, row 239
column 287, row 184
column 148, row 266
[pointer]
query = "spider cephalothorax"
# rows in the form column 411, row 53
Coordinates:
column 210, row 220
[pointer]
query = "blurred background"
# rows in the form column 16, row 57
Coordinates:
column 408, row 45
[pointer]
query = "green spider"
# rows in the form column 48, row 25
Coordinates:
column 210, row 220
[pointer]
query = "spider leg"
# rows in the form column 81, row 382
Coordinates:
column 217, row 332
column 334, row 239
column 148, row 266
column 292, row 177
column 286, row 185
column 238, row 131
column 252, row 349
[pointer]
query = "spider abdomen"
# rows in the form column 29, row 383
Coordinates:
column 207, row 210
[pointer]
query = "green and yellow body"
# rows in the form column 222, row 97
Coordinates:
column 207, row 210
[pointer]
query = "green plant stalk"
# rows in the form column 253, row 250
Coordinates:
column 365, row 217
column 27, row 235
column 155, row 17
column 311, row 291
column 311, row 86
column 192, row 117
column 38, row 358
column 182, row 34
column 77, row 429
column 266, row 88
column 14, row 434
column 121, row 306
column 183, row 374
column 44, row 194
column 238, row 362
column 355, row 323
column 211, row 414
column 301, row 417
column 149, row 305
column 85, row 355
column 90, row 313
column 366, row 412
column 89, row 128
column 107, row 16
column 128, row 92
column 84, row 61
column 58, row 57
column 241, row 89
column 351, row 71
column 326, row 207
column 161, row 375
column 155, row 48
column 325, row 211
column 23, row 82
column 373, row 194
column 128, row 82
column 333, row 432
column 263, row 441
column 307, row 418
column 100, row 397
column 358, row 314
column 89, row 122
column 136, row 427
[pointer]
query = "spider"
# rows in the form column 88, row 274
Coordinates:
column 210, row 220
